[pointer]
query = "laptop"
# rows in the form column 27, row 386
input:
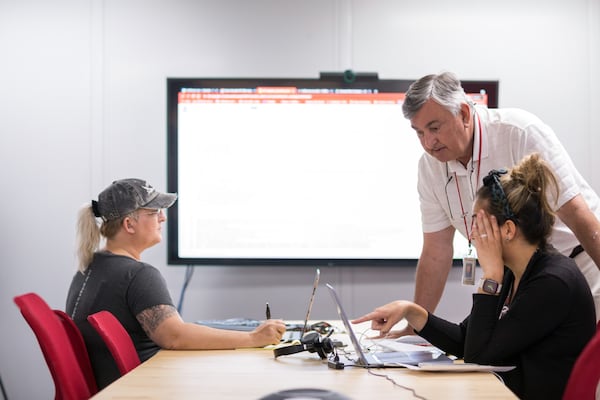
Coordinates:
column 383, row 359
column 293, row 331
column 291, row 335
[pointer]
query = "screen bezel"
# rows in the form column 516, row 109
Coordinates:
column 326, row 80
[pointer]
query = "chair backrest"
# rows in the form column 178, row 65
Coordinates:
column 69, row 380
column 117, row 340
column 585, row 376
column 78, row 344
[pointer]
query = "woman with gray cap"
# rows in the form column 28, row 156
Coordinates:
column 130, row 213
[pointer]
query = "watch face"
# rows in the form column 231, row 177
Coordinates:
column 490, row 286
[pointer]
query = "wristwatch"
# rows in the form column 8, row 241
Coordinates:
column 490, row 286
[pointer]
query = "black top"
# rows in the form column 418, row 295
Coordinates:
column 547, row 324
column 125, row 287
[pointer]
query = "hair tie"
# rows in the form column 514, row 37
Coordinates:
column 492, row 180
column 95, row 209
column 493, row 174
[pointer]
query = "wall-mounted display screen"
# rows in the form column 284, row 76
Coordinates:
column 295, row 171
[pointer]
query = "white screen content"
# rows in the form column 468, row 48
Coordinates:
column 297, row 176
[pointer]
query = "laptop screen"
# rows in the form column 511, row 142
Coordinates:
column 312, row 299
column 347, row 325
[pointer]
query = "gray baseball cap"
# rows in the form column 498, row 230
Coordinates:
column 127, row 195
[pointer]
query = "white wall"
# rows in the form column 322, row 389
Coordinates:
column 82, row 102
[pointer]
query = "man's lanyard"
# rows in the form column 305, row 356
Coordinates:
column 462, row 208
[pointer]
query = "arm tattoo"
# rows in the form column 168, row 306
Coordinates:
column 152, row 317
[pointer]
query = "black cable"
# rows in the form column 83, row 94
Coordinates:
column 189, row 272
column 370, row 371
column 414, row 393
column 4, row 396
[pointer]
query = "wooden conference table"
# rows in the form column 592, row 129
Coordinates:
column 254, row 373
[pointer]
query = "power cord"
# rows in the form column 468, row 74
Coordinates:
column 189, row 272
column 336, row 364
column 4, row 395
column 414, row 393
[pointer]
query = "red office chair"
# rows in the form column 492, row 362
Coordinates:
column 585, row 375
column 117, row 340
column 69, row 380
column 80, row 349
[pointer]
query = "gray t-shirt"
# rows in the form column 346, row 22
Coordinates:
column 125, row 287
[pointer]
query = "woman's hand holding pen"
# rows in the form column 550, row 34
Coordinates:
column 269, row 332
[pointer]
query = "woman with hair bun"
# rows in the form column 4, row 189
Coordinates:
column 533, row 308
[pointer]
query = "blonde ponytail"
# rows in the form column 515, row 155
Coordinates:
column 88, row 237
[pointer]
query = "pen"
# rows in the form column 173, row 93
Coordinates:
column 268, row 311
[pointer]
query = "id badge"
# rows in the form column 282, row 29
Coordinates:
column 468, row 271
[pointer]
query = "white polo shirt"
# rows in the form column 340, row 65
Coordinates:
column 506, row 136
